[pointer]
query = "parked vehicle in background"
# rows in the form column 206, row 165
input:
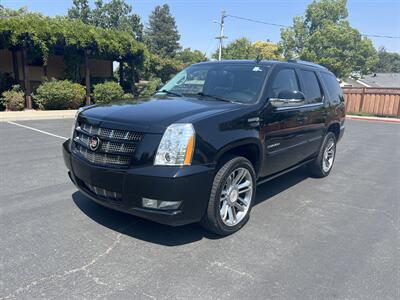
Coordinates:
column 198, row 149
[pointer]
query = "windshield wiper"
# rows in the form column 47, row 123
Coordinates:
column 214, row 97
column 170, row 93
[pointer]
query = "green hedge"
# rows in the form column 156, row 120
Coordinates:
column 13, row 99
column 59, row 94
column 107, row 92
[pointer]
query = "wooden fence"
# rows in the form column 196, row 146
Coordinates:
column 375, row 101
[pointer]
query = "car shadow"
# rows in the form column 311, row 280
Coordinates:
column 165, row 235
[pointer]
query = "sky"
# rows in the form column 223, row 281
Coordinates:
column 195, row 18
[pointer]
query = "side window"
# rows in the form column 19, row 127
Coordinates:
column 312, row 88
column 334, row 90
column 285, row 80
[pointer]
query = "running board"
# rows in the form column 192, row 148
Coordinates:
column 268, row 178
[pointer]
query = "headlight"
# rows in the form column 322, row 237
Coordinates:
column 176, row 146
column 73, row 127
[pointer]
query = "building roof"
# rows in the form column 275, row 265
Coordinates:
column 382, row 80
column 387, row 80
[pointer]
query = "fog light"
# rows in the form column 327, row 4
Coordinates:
column 158, row 204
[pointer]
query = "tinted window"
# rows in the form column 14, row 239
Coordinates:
column 334, row 90
column 236, row 82
column 312, row 89
column 285, row 80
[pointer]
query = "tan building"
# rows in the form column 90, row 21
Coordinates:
column 55, row 68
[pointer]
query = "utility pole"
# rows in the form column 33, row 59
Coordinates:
column 221, row 36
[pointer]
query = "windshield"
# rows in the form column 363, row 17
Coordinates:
column 234, row 82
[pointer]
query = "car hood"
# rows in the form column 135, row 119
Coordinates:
column 154, row 115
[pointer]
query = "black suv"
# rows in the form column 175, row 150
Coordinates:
column 197, row 150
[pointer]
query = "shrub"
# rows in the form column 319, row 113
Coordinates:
column 59, row 94
column 128, row 96
column 6, row 83
column 150, row 88
column 107, row 92
column 14, row 99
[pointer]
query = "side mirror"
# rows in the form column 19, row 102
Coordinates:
column 288, row 98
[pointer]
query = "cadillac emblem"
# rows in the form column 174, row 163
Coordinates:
column 94, row 143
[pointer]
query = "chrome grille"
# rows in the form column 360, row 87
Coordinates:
column 107, row 146
column 102, row 158
column 116, row 146
column 112, row 133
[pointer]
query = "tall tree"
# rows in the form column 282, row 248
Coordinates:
column 388, row 62
column 80, row 10
column 117, row 14
column 162, row 36
column 324, row 36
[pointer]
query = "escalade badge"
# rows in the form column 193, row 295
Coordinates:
column 94, row 143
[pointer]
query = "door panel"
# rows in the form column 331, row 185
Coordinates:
column 282, row 127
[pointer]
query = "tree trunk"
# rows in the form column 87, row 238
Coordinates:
column 121, row 73
column 15, row 65
column 87, row 78
column 27, row 83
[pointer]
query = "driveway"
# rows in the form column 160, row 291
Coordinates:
column 331, row 238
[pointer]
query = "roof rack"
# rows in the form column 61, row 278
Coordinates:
column 308, row 63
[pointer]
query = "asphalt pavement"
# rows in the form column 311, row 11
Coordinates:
column 331, row 238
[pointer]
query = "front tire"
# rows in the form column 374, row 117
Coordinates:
column 322, row 165
column 232, row 196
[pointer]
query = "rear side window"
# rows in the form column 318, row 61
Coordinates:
column 285, row 80
column 334, row 90
column 312, row 88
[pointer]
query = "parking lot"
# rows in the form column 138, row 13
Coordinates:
column 331, row 238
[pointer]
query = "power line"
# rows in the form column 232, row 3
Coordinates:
column 258, row 21
column 286, row 26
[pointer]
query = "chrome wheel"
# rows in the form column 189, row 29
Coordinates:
column 329, row 155
column 236, row 196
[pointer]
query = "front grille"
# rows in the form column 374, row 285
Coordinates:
column 112, row 133
column 102, row 193
column 116, row 146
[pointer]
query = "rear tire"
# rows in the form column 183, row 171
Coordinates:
column 322, row 165
column 232, row 196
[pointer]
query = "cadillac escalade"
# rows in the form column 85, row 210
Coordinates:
column 197, row 149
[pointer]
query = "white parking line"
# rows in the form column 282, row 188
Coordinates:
column 38, row 130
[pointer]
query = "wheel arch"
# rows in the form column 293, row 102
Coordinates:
column 335, row 129
column 248, row 148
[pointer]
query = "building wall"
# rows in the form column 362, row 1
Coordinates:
column 55, row 67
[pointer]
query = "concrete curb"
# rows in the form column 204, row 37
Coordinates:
column 373, row 119
column 6, row 116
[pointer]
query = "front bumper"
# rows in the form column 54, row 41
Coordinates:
column 191, row 185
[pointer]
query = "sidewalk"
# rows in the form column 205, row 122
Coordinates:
column 6, row 116
column 373, row 119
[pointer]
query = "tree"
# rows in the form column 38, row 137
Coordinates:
column 7, row 13
column 162, row 36
column 324, row 36
column 188, row 56
column 267, row 50
column 115, row 15
column 388, row 62
column 80, row 10
column 243, row 48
